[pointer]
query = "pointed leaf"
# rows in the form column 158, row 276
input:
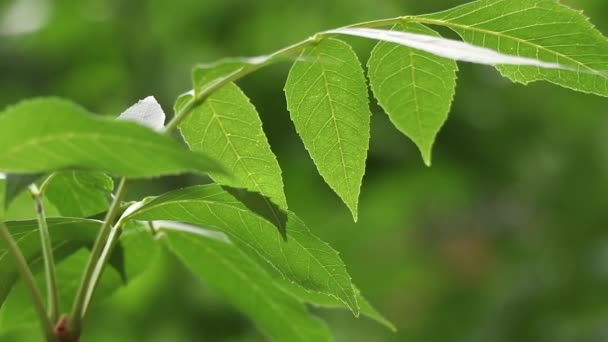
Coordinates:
column 146, row 112
column 539, row 29
column 303, row 258
column 227, row 127
column 247, row 286
column 50, row 134
column 327, row 97
column 415, row 88
column 80, row 193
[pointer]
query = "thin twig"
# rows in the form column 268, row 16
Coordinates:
column 28, row 280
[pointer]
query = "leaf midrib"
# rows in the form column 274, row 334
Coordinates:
column 335, row 122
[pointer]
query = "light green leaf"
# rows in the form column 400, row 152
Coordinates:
column 415, row 88
column 51, row 134
column 227, row 270
column 227, row 127
column 79, row 193
column 67, row 236
column 327, row 97
column 302, row 258
column 540, row 29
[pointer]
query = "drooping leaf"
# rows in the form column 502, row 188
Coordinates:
column 302, row 258
column 16, row 184
column 51, row 134
column 539, row 29
column 17, row 311
column 327, row 96
column 80, row 193
column 146, row 112
column 227, row 127
column 227, row 270
column 415, row 88
column 67, row 236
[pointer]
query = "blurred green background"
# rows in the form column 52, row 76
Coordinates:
column 504, row 238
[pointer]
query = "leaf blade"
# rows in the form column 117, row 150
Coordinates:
column 327, row 97
column 247, row 286
column 48, row 134
column 419, row 100
column 227, row 127
column 303, row 258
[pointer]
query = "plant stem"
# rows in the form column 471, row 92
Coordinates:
column 96, row 251
column 28, row 280
column 47, row 254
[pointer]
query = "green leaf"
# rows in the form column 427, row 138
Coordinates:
column 540, row 29
column 67, row 236
column 227, row 127
column 303, row 258
column 16, row 184
column 80, row 193
column 227, row 270
column 327, row 97
column 51, row 134
column 415, row 88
